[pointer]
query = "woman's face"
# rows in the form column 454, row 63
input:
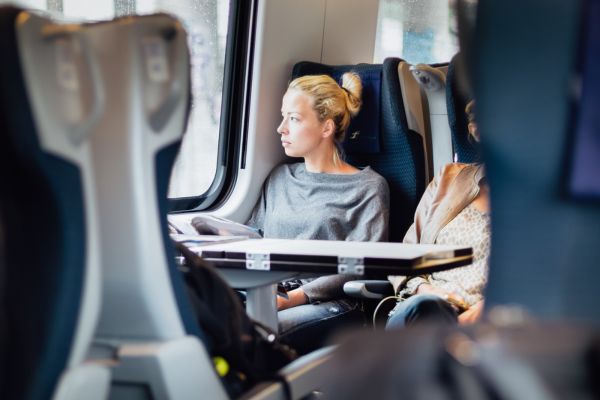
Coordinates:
column 302, row 134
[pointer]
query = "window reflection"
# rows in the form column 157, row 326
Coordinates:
column 419, row 31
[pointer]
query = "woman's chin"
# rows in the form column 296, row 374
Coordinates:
column 290, row 153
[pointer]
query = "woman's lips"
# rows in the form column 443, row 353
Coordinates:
column 285, row 143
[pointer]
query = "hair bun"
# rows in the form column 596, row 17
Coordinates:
column 353, row 87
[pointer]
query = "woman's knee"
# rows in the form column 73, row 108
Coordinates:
column 421, row 308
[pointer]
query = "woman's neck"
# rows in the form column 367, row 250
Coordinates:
column 323, row 163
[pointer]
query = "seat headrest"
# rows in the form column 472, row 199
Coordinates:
column 465, row 148
column 363, row 135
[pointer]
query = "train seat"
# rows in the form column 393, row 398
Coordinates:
column 135, row 82
column 384, row 141
column 430, row 96
column 545, row 233
column 139, row 73
column 50, row 259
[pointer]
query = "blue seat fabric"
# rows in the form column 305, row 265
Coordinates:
column 465, row 148
column 164, row 161
column 398, row 155
column 42, row 212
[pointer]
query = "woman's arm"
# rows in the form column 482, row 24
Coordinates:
column 296, row 297
column 472, row 315
column 453, row 298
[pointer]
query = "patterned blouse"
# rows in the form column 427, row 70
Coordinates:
column 470, row 227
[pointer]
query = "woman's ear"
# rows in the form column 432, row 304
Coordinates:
column 328, row 128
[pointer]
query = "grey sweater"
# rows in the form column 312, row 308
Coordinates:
column 297, row 204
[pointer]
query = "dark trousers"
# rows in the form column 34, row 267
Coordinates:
column 308, row 327
column 422, row 308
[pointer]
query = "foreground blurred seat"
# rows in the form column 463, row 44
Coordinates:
column 147, row 332
column 143, row 66
column 545, row 240
column 50, row 259
column 512, row 358
column 543, row 337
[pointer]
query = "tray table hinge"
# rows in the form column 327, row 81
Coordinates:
column 258, row 261
column 351, row 265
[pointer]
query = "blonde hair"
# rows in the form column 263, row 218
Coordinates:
column 470, row 111
column 332, row 101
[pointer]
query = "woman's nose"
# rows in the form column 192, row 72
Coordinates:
column 281, row 129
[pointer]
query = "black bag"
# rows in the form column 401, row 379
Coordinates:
column 251, row 350
column 481, row 362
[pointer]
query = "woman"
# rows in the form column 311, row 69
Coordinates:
column 321, row 198
column 454, row 210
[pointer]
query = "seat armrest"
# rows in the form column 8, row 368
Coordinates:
column 309, row 373
column 369, row 289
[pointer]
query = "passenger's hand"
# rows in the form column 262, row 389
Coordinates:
column 295, row 298
column 472, row 315
column 456, row 300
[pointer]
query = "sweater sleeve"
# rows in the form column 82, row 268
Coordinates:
column 326, row 288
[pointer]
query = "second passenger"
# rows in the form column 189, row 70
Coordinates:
column 454, row 210
column 323, row 198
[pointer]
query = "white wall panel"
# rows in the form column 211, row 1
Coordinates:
column 350, row 29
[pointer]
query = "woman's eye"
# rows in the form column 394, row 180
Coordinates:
column 295, row 119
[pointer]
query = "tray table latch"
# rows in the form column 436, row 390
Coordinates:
column 258, row 261
column 351, row 265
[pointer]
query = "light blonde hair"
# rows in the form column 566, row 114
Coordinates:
column 332, row 101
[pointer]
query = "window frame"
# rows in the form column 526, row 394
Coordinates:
column 234, row 108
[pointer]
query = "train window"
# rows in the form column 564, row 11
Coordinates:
column 419, row 31
column 207, row 23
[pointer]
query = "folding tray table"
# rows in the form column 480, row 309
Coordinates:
column 258, row 264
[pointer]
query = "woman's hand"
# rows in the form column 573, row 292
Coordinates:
column 472, row 315
column 295, row 298
column 454, row 299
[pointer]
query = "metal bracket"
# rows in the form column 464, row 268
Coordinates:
column 258, row 261
column 351, row 265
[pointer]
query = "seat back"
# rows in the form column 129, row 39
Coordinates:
column 466, row 150
column 430, row 81
column 384, row 140
column 50, row 254
column 545, row 244
column 144, row 66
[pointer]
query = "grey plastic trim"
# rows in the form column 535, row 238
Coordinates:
column 180, row 369
column 433, row 83
column 65, row 117
column 309, row 373
column 87, row 381
column 359, row 290
column 417, row 112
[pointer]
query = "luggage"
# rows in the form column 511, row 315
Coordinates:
column 244, row 351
